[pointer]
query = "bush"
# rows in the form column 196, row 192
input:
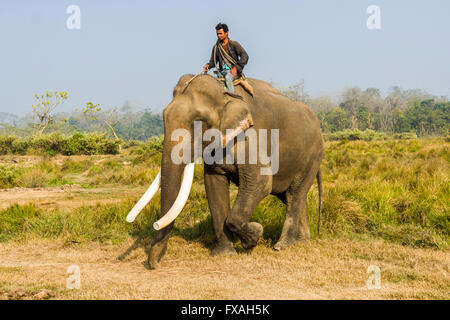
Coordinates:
column 154, row 144
column 366, row 135
column 56, row 143
column 8, row 177
column 12, row 145
column 90, row 143
column 151, row 147
column 131, row 143
column 405, row 135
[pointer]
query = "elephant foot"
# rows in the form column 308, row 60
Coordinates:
column 157, row 251
column 287, row 242
column 223, row 250
column 254, row 232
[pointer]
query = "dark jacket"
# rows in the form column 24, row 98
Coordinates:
column 236, row 51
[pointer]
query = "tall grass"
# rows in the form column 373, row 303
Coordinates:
column 398, row 190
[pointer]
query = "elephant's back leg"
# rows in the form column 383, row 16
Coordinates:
column 296, row 226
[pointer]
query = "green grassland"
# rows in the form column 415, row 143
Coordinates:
column 394, row 189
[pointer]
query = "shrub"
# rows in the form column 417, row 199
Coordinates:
column 56, row 143
column 8, row 177
column 7, row 144
column 405, row 135
column 367, row 135
column 90, row 143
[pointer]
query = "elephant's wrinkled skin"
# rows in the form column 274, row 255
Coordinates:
column 301, row 150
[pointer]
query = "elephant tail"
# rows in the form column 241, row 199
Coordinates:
column 319, row 185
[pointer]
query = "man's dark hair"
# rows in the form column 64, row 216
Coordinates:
column 222, row 26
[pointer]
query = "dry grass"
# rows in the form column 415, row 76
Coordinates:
column 67, row 196
column 321, row 269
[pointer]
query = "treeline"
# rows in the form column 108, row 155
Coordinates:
column 399, row 111
column 355, row 110
column 128, row 124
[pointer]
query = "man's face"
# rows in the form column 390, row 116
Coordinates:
column 221, row 35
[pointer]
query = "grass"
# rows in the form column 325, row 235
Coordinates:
column 397, row 190
column 386, row 203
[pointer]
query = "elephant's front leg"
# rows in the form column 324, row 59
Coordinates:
column 217, row 188
column 253, row 187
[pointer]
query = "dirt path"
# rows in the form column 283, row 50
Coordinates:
column 67, row 196
column 323, row 269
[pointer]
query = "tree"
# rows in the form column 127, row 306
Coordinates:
column 337, row 119
column 351, row 101
column 45, row 106
column 109, row 117
column 296, row 92
column 322, row 103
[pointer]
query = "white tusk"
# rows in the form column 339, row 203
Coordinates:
column 148, row 195
column 179, row 203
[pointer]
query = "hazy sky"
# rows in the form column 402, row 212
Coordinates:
column 137, row 50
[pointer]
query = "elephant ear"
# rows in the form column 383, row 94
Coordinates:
column 236, row 118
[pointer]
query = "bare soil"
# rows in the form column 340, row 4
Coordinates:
column 320, row 269
column 67, row 196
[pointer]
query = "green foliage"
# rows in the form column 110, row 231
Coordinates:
column 56, row 143
column 151, row 147
column 109, row 117
column 367, row 135
column 90, row 143
column 91, row 110
column 13, row 145
column 8, row 176
column 45, row 105
column 400, row 111
column 154, row 144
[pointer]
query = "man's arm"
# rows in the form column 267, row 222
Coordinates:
column 210, row 64
column 243, row 57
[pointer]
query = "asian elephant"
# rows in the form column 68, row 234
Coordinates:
column 299, row 147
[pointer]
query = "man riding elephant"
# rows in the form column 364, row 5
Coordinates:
column 230, row 55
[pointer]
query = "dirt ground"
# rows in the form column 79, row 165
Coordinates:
column 320, row 269
column 67, row 196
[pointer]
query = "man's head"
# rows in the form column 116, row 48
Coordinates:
column 222, row 31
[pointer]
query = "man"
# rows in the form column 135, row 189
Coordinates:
column 230, row 55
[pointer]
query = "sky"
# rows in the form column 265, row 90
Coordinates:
column 136, row 50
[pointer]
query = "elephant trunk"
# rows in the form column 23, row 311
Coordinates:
column 174, row 194
column 174, row 189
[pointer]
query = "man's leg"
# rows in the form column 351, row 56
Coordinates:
column 216, row 74
column 229, row 82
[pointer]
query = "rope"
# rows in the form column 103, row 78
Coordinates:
column 225, row 56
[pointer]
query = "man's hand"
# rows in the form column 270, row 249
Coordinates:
column 206, row 67
column 234, row 71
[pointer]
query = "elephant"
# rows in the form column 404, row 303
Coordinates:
column 300, row 151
